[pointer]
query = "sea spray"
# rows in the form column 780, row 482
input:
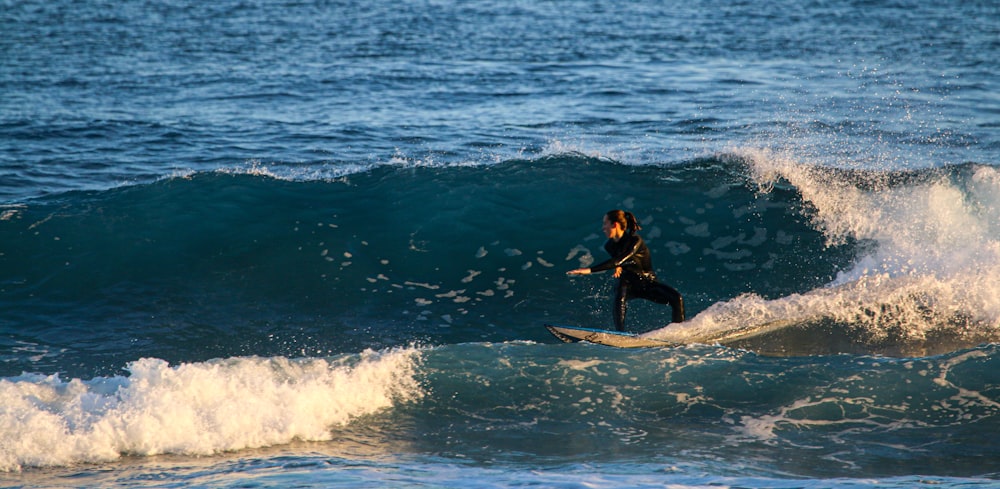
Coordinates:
column 928, row 262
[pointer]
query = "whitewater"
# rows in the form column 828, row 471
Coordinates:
column 927, row 260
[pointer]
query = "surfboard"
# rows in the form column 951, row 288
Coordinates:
column 572, row 334
column 782, row 338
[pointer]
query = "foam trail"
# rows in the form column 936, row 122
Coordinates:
column 195, row 408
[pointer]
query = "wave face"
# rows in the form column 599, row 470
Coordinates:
column 235, row 263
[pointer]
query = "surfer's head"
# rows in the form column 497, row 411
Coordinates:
column 620, row 219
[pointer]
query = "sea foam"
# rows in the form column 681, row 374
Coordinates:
column 195, row 408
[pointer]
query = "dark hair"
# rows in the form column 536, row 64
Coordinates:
column 625, row 219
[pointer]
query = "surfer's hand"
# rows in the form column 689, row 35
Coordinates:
column 579, row 271
column 618, row 272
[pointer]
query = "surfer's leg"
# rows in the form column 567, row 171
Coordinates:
column 676, row 303
column 665, row 294
column 619, row 305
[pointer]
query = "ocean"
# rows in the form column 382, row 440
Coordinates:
column 308, row 243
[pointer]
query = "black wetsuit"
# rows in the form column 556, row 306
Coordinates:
column 637, row 279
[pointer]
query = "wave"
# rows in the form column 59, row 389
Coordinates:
column 221, row 264
column 236, row 263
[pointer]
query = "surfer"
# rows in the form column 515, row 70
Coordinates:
column 633, row 267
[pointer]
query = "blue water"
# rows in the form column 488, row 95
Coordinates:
column 313, row 244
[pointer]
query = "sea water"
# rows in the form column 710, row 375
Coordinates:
column 313, row 244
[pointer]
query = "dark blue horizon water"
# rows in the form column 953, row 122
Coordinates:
column 312, row 243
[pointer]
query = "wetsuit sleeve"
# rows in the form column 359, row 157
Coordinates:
column 626, row 254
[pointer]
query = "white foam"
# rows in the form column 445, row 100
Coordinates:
column 195, row 408
column 931, row 253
